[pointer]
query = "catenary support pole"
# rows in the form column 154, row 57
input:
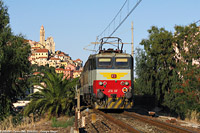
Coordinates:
column 132, row 50
column 78, row 103
column 132, row 47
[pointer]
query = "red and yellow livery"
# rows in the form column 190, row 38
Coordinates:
column 107, row 80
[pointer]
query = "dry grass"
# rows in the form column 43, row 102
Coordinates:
column 28, row 123
column 6, row 124
column 11, row 124
column 193, row 116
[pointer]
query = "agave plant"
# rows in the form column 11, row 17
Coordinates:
column 55, row 96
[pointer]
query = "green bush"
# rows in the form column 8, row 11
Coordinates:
column 56, row 123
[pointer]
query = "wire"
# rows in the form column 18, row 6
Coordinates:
column 125, row 18
column 197, row 21
column 113, row 21
column 121, row 22
column 113, row 18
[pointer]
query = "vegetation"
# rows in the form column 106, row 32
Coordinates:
column 55, row 95
column 36, row 68
column 14, row 65
column 11, row 122
column 185, row 93
column 171, row 76
column 56, row 123
column 155, row 63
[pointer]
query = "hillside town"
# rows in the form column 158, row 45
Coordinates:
column 43, row 53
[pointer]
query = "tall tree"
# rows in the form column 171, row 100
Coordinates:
column 155, row 66
column 169, row 68
column 14, row 64
column 142, row 71
column 186, row 92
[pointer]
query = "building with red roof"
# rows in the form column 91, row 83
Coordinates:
column 77, row 73
column 43, row 53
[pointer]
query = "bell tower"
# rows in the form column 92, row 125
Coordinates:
column 42, row 35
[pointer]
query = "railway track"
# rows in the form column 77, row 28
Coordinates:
column 101, row 128
column 160, row 124
column 117, row 122
column 128, row 122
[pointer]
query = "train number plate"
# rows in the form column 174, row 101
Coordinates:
column 112, row 90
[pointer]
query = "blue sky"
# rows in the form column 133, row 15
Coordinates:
column 75, row 23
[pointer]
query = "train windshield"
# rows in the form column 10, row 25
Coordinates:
column 121, row 61
column 104, row 62
column 114, row 63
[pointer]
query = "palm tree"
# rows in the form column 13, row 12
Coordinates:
column 55, row 96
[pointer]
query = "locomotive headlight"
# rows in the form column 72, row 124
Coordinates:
column 100, row 83
column 104, row 83
column 126, row 83
column 124, row 90
column 122, row 83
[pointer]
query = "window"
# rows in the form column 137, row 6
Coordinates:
column 121, row 62
column 93, row 64
column 104, row 62
column 85, row 68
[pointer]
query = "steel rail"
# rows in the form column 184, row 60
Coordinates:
column 117, row 122
column 158, row 123
column 95, row 128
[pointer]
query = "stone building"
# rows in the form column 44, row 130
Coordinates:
column 41, row 53
column 50, row 45
column 42, row 35
column 77, row 73
column 47, row 44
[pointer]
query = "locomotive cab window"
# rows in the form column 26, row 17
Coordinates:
column 104, row 62
column 121, row 62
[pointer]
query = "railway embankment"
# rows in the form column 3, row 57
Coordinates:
column 96, row 122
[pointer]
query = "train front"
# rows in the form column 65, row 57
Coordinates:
column 113, row 83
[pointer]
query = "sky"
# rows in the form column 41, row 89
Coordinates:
column 74, row 24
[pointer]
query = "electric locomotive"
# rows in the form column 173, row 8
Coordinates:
column 107, row 78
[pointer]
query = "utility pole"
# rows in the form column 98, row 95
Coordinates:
column 78, row 103
column 77, row 111
column 132, row 48
column 132, row 51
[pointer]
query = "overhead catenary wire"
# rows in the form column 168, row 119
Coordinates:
column 125, row 18
column 120, row 22
column 113, row 23
column 197, row 22
column 113, row 19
